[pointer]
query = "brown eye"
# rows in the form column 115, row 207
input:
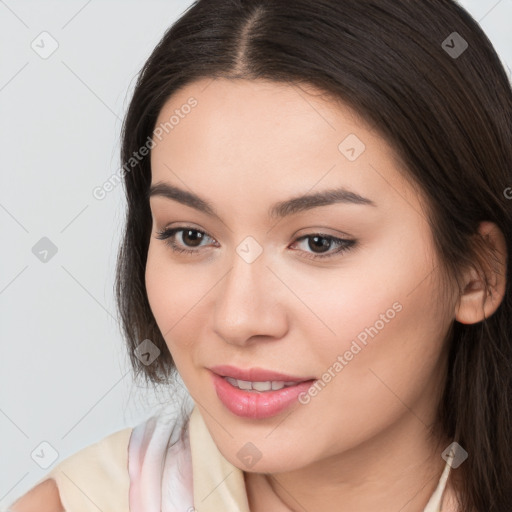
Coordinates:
column 190, row 237
column 320, row 244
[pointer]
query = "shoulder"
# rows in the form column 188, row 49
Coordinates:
column 44, row 497
column 95, row 476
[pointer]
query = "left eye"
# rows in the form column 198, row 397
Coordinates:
column 192, row 237
column 324, row 243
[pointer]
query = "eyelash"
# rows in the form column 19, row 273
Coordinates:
column 167, row 234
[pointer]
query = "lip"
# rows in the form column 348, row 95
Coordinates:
column 254, row 404
column 256, row 374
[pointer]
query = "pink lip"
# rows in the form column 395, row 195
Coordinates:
column 255, row 374
column 254, row 404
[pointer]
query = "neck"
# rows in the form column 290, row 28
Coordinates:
column 398, row 470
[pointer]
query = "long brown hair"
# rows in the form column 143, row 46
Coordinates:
column 423, row 74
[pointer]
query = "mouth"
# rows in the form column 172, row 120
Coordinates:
column 256, row 393
column 257, row 375
column 262, row 386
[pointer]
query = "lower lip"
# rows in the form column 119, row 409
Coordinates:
column 254, row 404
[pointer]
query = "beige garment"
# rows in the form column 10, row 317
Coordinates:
column 96, row 477
column 219, row 475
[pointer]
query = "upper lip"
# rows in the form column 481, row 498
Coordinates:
column 255, row 374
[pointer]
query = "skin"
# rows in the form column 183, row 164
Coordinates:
column 362, row 443
column 44, row 497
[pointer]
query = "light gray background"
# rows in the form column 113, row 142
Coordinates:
column 65, row 376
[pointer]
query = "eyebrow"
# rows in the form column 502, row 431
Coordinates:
column 278, row 210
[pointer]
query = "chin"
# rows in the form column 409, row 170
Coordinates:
column 253, row 459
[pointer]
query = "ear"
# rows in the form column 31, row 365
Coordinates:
column 483, row 293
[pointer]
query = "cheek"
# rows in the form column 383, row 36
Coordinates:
column 176, row 294
column 166, row 290
column 383, row 332
column 160, row 296
column 365, row 295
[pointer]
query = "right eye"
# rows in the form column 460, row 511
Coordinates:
column 190, row 235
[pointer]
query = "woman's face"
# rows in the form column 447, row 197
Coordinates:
column 337, row 289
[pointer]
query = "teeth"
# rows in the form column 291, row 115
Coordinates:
column 244, row 384
column 262, row 386
column 231, row 381
column 259, row 386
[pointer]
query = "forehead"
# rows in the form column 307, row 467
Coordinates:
column 255, row 110
column 258, row 136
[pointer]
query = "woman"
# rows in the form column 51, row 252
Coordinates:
column 317, row 238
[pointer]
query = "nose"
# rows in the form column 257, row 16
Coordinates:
column 250, row 303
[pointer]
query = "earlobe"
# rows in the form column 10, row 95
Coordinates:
column 479, row 301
